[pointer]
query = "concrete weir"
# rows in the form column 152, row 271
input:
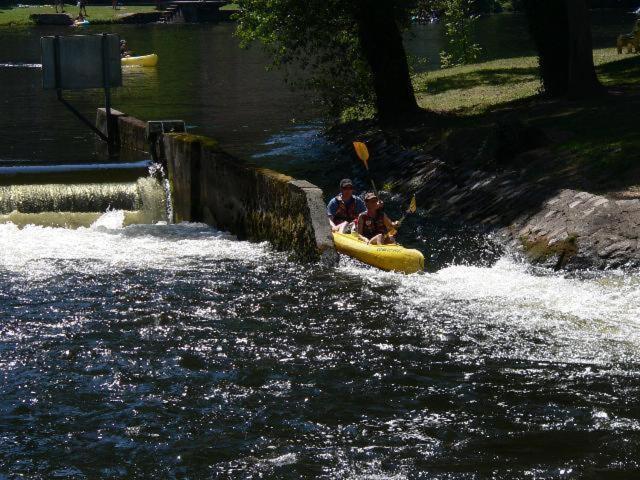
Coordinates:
column 209, row 185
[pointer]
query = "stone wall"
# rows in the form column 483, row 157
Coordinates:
column 209, row 185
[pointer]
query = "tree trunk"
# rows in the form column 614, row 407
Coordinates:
column 381, row 43
column 548, row 24
column 583, row 81
column 561, row 31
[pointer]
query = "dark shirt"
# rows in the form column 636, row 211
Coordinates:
column 332, row 208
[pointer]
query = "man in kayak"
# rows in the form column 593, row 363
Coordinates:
column 344, row 208
column 374, row 225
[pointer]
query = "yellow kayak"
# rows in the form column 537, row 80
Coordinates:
column 386, row 257
column 142, row 61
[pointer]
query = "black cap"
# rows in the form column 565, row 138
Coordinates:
column 345, row 182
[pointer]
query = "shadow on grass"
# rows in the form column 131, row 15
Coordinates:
column 489, row 76
column 622, row 72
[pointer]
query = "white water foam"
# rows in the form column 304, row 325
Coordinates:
column 583, row 316
column 41, row 252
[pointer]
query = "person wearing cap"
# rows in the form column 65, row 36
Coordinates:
column 344, row 208
column 374, row 225
column 124, row 49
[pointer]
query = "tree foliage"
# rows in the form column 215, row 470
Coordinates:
column 458, row 27
column 349, row 51
column 315, row 43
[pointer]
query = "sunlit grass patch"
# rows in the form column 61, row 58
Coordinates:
column 97, row 14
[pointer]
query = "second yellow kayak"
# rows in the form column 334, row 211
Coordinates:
column 386, row 257
column 141, row 61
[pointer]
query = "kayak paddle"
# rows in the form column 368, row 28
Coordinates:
column 363, row 154
column 412, row 209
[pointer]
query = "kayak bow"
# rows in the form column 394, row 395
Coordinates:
column 386, row 257
column 141, row 61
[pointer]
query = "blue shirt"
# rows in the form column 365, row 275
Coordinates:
column 332, row 208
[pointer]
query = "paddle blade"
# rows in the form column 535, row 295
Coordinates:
column 363, row 153
column 412, row 205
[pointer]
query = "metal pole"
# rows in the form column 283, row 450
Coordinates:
column 106, row 81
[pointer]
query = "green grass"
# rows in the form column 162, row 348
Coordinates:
column 97, row 14
column 478, row 88
column 231, row 6
column 598, row 138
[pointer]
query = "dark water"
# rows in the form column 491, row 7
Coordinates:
column 202, row 77
column 175, row 351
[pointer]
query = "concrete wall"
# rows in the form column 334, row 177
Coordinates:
column 208, row 185
column 129, row 131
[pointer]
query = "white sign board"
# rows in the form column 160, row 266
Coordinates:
column 79, row 62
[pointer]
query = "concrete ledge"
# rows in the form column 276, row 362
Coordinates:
column 209, row 185
column 129, row 132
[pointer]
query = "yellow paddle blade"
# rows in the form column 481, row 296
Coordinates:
column 412, row 205
column 363, row 153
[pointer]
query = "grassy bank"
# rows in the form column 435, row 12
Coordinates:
column 482, row 87
column 97, row 14
column 596, row 140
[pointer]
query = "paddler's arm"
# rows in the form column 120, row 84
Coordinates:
column 389, row 224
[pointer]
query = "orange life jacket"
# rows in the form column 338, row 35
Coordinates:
column 345, row 213
column 372, row 226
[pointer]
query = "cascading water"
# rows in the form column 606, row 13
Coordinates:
column 73, row 205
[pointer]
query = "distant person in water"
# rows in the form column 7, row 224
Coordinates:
column 124, row 49
column 344, row 209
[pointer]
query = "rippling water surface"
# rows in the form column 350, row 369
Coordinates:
column 175, row 351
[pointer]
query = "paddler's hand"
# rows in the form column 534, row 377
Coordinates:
column 395, row 224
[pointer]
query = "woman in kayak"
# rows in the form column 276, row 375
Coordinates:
column 374, row 225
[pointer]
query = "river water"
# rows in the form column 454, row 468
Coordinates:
column 176, row 351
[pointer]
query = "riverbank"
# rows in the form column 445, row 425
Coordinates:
column 98, row 15
column 20, row 16
column 558, row 180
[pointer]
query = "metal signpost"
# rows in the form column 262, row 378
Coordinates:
column 80, row 62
